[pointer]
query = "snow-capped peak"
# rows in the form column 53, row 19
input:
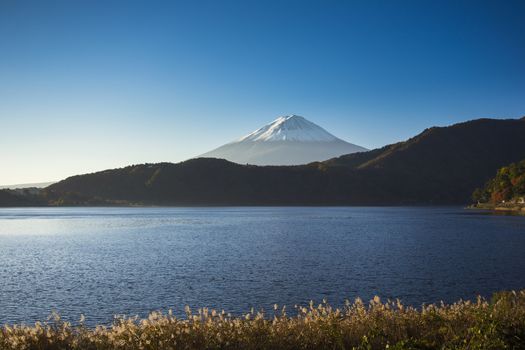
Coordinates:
column 290, row 128
column 288, row 140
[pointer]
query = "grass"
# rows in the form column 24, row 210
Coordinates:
column 495, row 324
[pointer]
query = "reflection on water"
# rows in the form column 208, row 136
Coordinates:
column 106, row 261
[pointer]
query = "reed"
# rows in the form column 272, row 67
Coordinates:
column 498, row 323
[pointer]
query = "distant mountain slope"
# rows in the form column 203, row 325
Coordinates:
column 20, row 198
column 289, row 140
column 442, row 165
column 28, row 185
column 9, row 199
column 194, row 182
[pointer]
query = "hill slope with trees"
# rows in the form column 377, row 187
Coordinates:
column 506, row 189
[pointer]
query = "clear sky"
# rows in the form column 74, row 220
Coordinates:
column 90, row 85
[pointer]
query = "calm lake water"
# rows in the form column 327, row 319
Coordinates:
column 106, row 261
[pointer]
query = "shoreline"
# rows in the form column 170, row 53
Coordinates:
column 517, row 209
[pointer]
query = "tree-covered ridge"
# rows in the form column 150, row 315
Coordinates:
column 507, row 186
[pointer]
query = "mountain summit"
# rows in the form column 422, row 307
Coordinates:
column 288, row 140
column 290, row 128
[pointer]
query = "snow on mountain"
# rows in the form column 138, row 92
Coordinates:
column 288, row 140
column 290, row 128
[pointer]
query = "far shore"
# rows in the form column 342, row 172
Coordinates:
column 511, row 208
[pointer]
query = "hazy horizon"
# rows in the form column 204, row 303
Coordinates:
column 87, row 86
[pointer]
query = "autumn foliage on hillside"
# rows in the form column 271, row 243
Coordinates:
column 507, row 185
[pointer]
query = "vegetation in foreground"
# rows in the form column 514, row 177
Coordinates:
column 495, row 324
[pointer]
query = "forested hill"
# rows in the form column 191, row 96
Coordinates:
column 442, row 165
column 508, row 186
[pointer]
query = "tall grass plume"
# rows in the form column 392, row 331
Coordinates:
column 498, row 323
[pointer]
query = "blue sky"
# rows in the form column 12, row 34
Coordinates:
column 90, row 85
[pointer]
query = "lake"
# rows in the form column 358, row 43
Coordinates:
column 105, row 261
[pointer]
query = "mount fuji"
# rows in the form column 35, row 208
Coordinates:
column 288, row 140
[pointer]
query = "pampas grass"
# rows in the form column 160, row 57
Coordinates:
column 482, row 324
